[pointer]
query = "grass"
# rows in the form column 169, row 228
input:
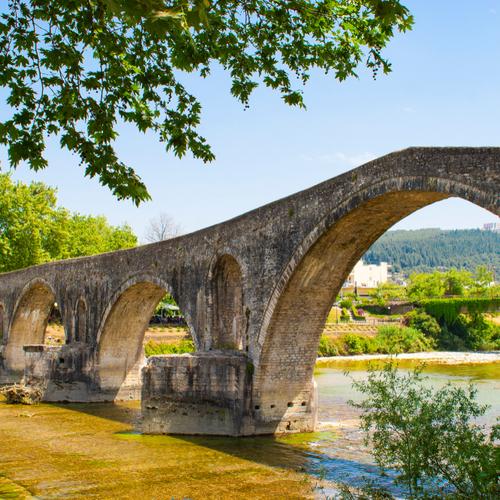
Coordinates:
column 153, row 348
column 389, row 340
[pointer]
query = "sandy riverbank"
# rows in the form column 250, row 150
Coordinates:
column 444, row 357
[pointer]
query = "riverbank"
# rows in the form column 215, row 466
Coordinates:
column 444, row 357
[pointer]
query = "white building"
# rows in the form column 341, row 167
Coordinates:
column 368, row 275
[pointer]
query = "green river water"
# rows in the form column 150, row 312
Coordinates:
column 92, row 451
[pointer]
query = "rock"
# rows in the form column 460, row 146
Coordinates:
column 22, row 394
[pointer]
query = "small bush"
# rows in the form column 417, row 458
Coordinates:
column 152, row 348
column 357, row 314
column 355, row 344
column 424, row 322
column 481, row 333
column 327, row 347
column 448, row 341
column 468, row 332
column 358, row 344
column 396, row 339
column 389, row 340
column 344, row 315
column 345, row 303
column 429, row 436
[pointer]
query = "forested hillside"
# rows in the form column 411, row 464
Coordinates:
column 424, row 250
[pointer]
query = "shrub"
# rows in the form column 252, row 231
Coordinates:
column 344, row 315
column 424, row 322
column 355, row 344
column 463, row 332
column 481, row 334
column 448, row 341
column 345, row 303
column 428, row 435
column 357, row 314
column 152, row 348
column 396, row 339
column 389, row 340
column 327, row 347
column 377, row 309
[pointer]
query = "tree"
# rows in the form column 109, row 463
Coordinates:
column 428, row 435
column 453, row 282
column 457, row 282
column 483, row 278
column 425, row 250
column 424, row 286
column 88, row 235
column 33, row 230
column 74, row 69
column 30, row 224
column 386, row 292
column 162, row 228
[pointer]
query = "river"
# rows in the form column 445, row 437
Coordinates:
column 92, row 451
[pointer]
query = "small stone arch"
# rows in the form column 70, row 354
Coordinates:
column 29, row 321
column 120, row 353
column 227, row 318
column 80, row 321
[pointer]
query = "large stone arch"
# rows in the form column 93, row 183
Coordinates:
column 120, row 353
column 29, row 321
column 297, row 310
column 226, row 304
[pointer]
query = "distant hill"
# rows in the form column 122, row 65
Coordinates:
column 425, row 250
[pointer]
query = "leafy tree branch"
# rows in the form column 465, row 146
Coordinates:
column 75, row 69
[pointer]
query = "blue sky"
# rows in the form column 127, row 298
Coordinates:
column 444, row 91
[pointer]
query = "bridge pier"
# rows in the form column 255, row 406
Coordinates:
column 63, row 372
column 6, row 375
column 211, row 393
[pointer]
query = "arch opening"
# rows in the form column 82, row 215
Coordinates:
column 120, row 355
column 168, row 331
column 284, row 372
column 227, row 305
column 55, row 333
column 29, row 323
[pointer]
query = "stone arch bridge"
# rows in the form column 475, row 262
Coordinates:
column 255, row 291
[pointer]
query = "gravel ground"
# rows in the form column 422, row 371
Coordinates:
column 450, row 358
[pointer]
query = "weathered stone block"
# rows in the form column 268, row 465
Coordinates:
column 202, row 393
column 61, row 371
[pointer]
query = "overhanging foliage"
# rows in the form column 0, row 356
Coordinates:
column 75, row 69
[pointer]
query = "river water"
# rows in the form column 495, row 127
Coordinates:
column 346, row 459
column 92, row 451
